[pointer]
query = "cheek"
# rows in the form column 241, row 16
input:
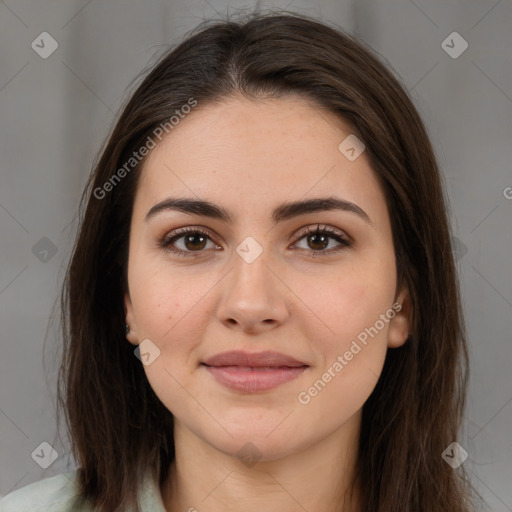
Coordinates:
column 353, row 354
column 164, row 301
column 351, row 302
column 357, row 308
column 172, row 311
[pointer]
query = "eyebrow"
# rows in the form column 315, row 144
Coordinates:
column 281, row 213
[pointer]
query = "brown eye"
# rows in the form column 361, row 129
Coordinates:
column 194, row 242
column 318, row 240
column 187, row 241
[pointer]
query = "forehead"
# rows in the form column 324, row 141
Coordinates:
column 247, row 154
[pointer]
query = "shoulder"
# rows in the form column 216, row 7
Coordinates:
column 54, row 494
column 60, row 494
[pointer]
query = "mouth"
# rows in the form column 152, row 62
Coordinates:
column 253, row 372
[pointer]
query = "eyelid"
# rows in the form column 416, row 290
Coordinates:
column 323, row 228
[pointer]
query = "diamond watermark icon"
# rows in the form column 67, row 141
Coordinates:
column 454, row 45
column 249, row 249
column 459, row 248
column 454, row 455
column 44, row 45
column 147, row 352
column 249, row 454
column 44, row 455
column 351, row 147
column 44, row 250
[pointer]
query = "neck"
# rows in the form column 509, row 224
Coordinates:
column 317, row 478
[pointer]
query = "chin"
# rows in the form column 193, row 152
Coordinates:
column 258, row 441
column 251, row 449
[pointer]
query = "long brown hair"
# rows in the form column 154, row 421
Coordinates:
column 118, row 427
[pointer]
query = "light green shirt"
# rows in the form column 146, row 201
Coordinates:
column 58, row 493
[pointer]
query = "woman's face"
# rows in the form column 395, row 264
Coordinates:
column 259, row 281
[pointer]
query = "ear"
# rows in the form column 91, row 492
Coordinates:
column 400, row 324
column 131, row 336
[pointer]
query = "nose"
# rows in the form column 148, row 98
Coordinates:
column 253, row 298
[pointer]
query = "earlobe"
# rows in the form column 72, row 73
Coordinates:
column 131, row 326
column 400, row 324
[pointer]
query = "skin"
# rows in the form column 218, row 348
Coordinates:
column 249, row 157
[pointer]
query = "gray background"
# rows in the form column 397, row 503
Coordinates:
column 55, row 113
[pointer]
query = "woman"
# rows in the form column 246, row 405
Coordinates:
column 261, row 310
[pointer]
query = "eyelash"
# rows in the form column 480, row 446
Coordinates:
column 169, row 239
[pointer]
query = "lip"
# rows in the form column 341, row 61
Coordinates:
column 253, row 372
column 253, row 359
